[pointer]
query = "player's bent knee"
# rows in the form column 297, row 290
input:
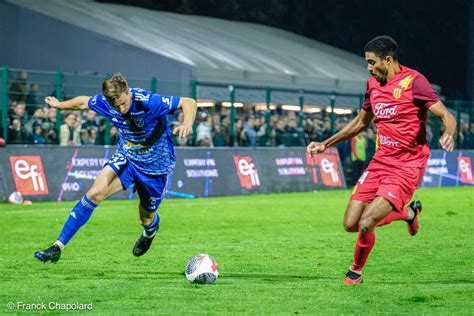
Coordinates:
column 367, row 224
column 96, row 195
column 350, row 227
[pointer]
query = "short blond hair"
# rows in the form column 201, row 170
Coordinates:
column 114, row 86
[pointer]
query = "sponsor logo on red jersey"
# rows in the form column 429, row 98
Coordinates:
column 29, row 175
column 397, row 93
column 385, row 110
column 405, row 82
column 247, row 172
column 386, row 140
column 465, row 170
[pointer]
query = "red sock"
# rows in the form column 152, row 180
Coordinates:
column 394, row 216
column 365, row 243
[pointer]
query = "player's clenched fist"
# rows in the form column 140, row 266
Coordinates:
column 315, row 148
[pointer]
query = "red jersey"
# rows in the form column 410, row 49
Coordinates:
column 400, row 109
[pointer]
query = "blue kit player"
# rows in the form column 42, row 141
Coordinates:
column 145, row 155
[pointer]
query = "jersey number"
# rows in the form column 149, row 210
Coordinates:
column 118, row 161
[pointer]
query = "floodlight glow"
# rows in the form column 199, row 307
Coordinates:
column 287, row 107
column 236, row 104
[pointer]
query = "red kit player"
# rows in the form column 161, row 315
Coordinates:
column 398, row 100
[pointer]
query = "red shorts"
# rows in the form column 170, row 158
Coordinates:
column 396, row 184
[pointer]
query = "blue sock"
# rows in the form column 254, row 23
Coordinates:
column 79, row 215
column 151, row 229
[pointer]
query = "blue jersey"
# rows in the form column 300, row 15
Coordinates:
column 144, row 131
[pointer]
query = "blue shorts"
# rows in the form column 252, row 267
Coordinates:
column 151, row 188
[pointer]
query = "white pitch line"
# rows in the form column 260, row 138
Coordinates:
column 203, row 203
column 34, row 210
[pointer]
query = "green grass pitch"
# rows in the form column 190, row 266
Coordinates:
column 277, row 254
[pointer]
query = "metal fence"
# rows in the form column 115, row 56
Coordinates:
column 235, row 101
column 30, row 87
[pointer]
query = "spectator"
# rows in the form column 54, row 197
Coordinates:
column 100, row 139
column 17, row 133
column 344, row 148
column 308, row 130
column 69, row 133
column 31, row 100
column 293, row 136
column 51, row 114
column 371, row 144
column 274, row 120
column 113, row 135
column 88, row 136
column 248, row 133
column 238, row 126
column 11, row 108
column 263, row 137
column 50, row 135
column 465, row 135
column 98, row 135
column 325, row 132
column 90, row 120
column 19, row 110
column 36, row 120
column 38, row 136
column 316, row 130
column 93, row 135
column 204, row 131
column 280, row 134
column 84, row 137
column 218, row 136
column 358, row 155
column 226, row 130
column 19, row 88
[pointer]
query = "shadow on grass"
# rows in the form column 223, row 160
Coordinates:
column 273, row 277
column 121, row 274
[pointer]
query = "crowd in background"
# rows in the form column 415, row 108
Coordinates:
column 284, row 130
column 31, row 121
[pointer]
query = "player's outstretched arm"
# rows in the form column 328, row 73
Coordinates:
column 189, row 110
column 357, row 125
column 77, row 103
column 447, row 139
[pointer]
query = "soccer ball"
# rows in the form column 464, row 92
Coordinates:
column 202, row 269
column 15, row 198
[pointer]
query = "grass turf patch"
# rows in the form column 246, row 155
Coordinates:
column 283, row 253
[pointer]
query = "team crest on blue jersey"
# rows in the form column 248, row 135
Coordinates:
column 94, row 100
column 139, row 121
